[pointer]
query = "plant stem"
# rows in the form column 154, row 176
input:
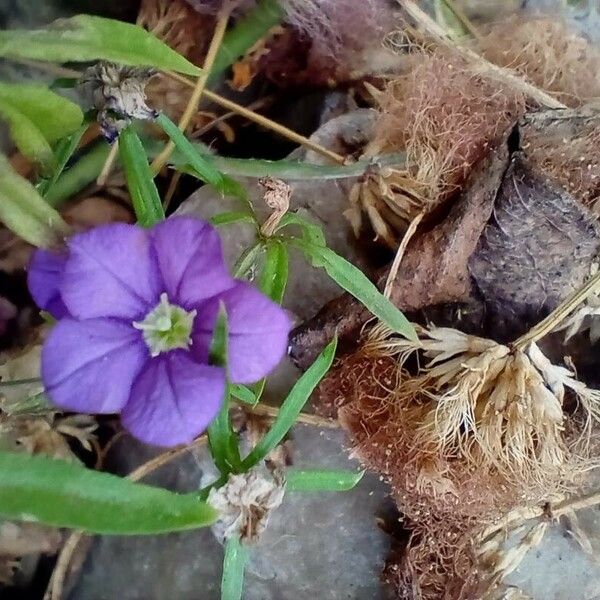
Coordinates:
column 108, row 165
column 192, row 106
column 262, row 121
column 483, row 66
column 556, row 317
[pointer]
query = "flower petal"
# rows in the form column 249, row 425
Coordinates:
column 111, row 272
column 43, row 278
column 258, row 332
column 173, row 400
column 190, row 259
column 89, row 366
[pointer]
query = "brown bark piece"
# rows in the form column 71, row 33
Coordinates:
column 434, row 269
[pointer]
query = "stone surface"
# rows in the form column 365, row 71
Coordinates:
column 317, row 545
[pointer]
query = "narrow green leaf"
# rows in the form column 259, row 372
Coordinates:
column 293, row 404
column 246, row 32
column 140, row 180
column 86, row 38
column 311, row 232
column 243, row 394
column 289, row 170
column 203, row 169
column 321, row 480
column 62, row 154
column 354, row 281
column 37, row 117
column 282, row 169
column 232, row 218
column 221, row 437
column 57, row 493
column 234, row 564
column 245, row 264
column 79, row 175
column 274, row 274
column 26, row 213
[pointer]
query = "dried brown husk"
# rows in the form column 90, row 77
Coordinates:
column 445, row 117
column 548, row 54
column 465, row 430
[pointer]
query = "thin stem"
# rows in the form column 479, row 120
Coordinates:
column 459, row 13
column 391, row 278
column 225, row 103
column 192, row 106
column 108, row 165
column 263, row 121
column 484, row 66
column 556, row 317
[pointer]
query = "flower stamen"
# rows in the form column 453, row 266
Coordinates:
column 167, row 327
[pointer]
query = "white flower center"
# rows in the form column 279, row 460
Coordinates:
column 167, row 327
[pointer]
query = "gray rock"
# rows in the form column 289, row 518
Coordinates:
column 317, row 545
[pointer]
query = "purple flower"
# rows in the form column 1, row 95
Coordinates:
column 137, row 311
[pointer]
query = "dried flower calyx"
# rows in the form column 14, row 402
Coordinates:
column 118, row 93
column 497, row 406
column 245, row 504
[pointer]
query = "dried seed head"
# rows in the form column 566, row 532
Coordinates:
column 244, row 504
column 118, row 93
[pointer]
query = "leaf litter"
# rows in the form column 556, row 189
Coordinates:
column 475, row 423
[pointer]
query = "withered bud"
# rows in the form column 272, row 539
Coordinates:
column 245, row 503
column 118, row 93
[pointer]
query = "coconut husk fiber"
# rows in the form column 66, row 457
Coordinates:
column 520, row 181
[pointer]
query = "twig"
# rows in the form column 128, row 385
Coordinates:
column 108, row 165
column 459, row 13
column 233, row 107
column 391, row 278
column 263, row 121
column 192, row 105
column 558, row 314
column 484, row 66
column 264, row 410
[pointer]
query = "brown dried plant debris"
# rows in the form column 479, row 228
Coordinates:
column 446, row 118
column 548, row 54
column 473, row 431
column 565, row 145
column 188, row 32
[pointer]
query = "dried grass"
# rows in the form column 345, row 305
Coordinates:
column 446, row 117
column 188, row 32
column 548, row 54
column 465, row 430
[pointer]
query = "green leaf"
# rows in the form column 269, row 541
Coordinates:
column 246, row 32
column 234, row 563
column 85, row 38
column 79, row 175
column 203, row 169
column 232, row 218
column 321, row 480
column 221, row 437
column 292, row 170
column 26, row 213
column 37, row 117
column 63, row 153
column 243, row 394
column 246, row 263
column 354, row 281
column 140, row 180
column 57, row 493
column 293, row 404
column 274, row 274
column 311, row 232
